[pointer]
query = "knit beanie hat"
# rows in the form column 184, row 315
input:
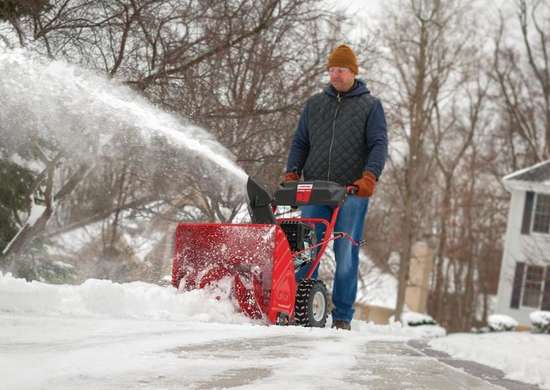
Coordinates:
column 344, row 57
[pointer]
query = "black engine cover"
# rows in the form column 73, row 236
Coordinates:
column 325, row 193
column 298, row 235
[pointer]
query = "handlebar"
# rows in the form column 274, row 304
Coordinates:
column 317, row 192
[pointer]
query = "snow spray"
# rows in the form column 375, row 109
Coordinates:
column 66, row 102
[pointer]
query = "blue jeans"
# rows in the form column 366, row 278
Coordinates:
column 351, row 219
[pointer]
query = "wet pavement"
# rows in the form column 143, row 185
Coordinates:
column 383, row 365
column 396, row 365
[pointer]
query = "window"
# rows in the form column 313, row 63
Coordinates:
column 533, row 286
column 530, row 285
column 541, row 217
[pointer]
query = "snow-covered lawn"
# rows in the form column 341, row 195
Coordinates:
column 523, row 356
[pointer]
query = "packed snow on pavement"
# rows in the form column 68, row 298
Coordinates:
column 106, row 335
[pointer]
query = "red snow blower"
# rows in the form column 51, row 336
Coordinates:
column 262, row 258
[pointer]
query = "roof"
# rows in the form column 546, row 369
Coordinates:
column 537, row 173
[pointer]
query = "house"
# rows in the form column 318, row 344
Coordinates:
column 524, row 284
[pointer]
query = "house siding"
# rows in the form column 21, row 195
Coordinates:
column 532, row 248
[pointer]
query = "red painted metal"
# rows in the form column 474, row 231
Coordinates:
column 249, row 303
column 303, row 193
column 321, row 251
column 257, row 257
column 283, row 289
column 213, row 275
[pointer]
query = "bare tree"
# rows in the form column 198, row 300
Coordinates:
column 423, row 61
column 453, row 135
column 523, row 74
column 240, row 68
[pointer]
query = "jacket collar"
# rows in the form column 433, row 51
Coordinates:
column 359, row 88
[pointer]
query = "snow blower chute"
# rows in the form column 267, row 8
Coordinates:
column 262, row 258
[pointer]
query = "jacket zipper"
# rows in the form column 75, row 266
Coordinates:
column 339, row 98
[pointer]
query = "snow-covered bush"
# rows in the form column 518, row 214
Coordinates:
column 420, row 325
column 540, row 321
column 412, row 318
column 501, row 323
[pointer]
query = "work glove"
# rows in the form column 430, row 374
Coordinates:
column 366, row 184
column 290, row 176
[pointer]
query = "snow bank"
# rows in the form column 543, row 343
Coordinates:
column 520, row 355
column 139, row 300
column 103, row 298
column 426, row 331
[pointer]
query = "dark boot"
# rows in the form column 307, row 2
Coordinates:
column 341, row 324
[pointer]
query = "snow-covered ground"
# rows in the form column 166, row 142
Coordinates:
column 105, row 335
column 523, row 356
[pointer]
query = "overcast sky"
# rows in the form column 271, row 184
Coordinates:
column 366, row 14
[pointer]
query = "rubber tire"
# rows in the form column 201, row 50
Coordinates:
column 303, row 308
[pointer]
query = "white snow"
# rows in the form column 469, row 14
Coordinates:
column 540, row 317
column 414, row 318
column 103, row 298
column 427, row 331
column 421, row 325
column 522, row 356
column 68, row 103
column 501, row 322
column 376, row 288
column 105, row 335
column 102, row 334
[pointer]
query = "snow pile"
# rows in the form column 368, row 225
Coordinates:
column 144, row 301
column 103, row 298
column 540, row 321
column 427, row 331
column 501, row 323
column 521, row 356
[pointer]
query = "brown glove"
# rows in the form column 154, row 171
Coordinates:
column 290, row 176
column 366, row 184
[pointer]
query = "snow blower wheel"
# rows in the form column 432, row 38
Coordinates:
column 311, row 304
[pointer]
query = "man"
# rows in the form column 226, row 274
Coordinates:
column 341, row 137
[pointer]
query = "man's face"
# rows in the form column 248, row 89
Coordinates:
column 341, row 78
